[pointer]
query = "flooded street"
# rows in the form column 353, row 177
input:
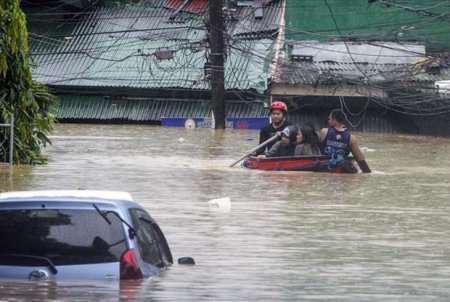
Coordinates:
column 288, row 236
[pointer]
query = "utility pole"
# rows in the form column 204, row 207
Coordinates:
column 217, row 55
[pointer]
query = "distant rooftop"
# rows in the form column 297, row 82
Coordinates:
column 374, row 53
column 313, row 63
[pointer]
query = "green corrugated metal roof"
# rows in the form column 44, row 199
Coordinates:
column 404, row 20
column 137, row 110
column 116, row 47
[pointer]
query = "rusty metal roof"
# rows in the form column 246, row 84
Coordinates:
column 312, row 73
column 191, row 6
column 245, row 23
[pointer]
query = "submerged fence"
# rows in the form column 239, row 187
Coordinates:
column 7, row 141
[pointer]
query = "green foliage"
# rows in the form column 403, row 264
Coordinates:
column 31, row 103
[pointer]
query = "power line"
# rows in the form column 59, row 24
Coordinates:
column 102, row 50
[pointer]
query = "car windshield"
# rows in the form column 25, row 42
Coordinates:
column 65, row 237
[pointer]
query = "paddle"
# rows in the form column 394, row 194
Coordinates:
column 275, row 137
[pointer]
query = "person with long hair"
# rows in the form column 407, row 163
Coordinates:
column 308, row 142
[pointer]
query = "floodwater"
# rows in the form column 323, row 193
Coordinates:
column 288, row 236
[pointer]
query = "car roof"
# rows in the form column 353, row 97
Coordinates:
column 89, row 196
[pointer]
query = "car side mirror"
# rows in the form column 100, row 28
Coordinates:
column 186, row 260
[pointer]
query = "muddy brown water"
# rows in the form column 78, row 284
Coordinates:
column 288, row 236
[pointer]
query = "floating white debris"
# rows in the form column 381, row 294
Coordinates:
column 181, row 139
column 365, row 149
column 220, row 204
column 442, row 87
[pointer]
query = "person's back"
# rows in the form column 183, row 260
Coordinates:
column 338, row 142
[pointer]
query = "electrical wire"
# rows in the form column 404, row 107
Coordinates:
column 110, row 52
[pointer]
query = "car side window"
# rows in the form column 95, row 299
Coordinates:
column 147, row 238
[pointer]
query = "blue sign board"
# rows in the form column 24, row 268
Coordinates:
column 200, row 122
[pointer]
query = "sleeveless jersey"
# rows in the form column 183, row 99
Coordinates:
column 336, row 143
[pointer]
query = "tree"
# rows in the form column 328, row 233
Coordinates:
column 30, row 102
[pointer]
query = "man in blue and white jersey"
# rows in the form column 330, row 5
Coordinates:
column 337, row 140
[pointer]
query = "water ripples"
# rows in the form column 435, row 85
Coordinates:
column 288, row 236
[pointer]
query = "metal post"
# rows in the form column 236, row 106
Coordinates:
column 217, row 56
column 11, row 140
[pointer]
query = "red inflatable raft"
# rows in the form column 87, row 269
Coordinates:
column 317, row 163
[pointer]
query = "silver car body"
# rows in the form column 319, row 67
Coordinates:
column 87, row 214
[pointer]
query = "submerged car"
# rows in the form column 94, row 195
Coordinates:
column 72, row 234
